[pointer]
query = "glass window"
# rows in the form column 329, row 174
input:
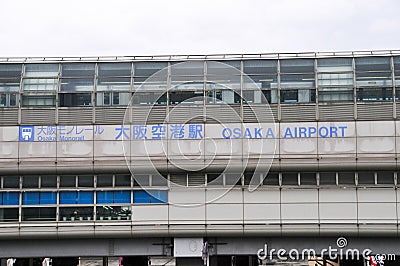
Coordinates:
column 385, row 178
column 8, row 99
column 75, row 99
column 36, row 84
column 38, row 214
column 272, row 179
column 116, row 196
column 113, row 213
column 77, row 69
column 10, row 198
column 48, row 197
column 141, row 180
column 335, row 79
column 122, row 180
column 290, row 179
column 218, row 94
column 9, row 214
column 11, row 182
column 153, row 196
column 149, row 98
column 68, row 181
column 346, row 178
column 76, row 85
column 30, row 182
column 10, row 70
column 68, row 197
column 113, row 84
column 85, row 181
column 114, row 69
column 104, row 181
column 30, row 198
column 85, row 197
column 48, row 181
column 159, row 180
column 308, row 179
column 232, row 179
column 327, row 178
column 366, row 178
column 76, row 213
column 38, row 100
column 41, row 70
column 215, row 179
column 144, row 70
column 374, row 79
column 113, row 98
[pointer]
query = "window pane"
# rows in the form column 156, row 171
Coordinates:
column 113, row 213
column 9, row 215
column 346, row 178
column 372, row 63
column 39, row 85
column 75, row 99
column 111, row 83
column 68, row 197
column 122, row 180
column 30, row 182
column 41, row 70
column 308, row 179
column 146, row 69
column 77, row 70
column 48, row 181
column 158, row 180
column 290, row 179
column 85, row 197
column 48, row 198
column 38, row 214
column 76, row 213
column 366, row 178
column 30, row 198
column 114, row 69
column 85, row 181
column 385, row 178
column 142, row 180
column 122, row 196
column 10, row 70
column 77, row 85
column 10, row 198
column 67, row 181
column 11, row 182
column 297, row 66
column 327, row 178
column 272, row 179
column 104, row 181
column 38, row 100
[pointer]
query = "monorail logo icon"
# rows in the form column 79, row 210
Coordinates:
column 26, row 133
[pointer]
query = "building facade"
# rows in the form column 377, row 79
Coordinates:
column 129, row 154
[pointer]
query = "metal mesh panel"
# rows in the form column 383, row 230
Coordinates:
column 110, row 115
column 298, row 112
column 38, row 116
column 9, row 117
column 75, row 116
column 336, row 112
column 375, row 111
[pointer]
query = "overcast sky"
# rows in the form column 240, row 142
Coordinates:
column 154, row 27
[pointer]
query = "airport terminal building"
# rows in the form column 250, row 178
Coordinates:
column 199, row 159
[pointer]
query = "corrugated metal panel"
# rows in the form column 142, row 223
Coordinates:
column 149, row 114
column 76, row 116
column 9, row 117
column 257, row 113
column 298, row 112
column 111, row 115
column 223, row 113
column 196, row 180
column 180, row 180
column 184, row 114
column 374, row 111
column 38, row 116
column 336, row 112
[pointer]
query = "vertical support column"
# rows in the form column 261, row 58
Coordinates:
column 105, row 261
